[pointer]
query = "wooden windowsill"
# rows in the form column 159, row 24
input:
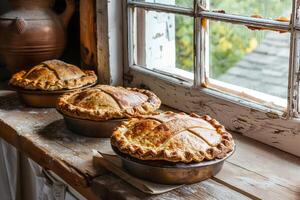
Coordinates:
column 255, row 171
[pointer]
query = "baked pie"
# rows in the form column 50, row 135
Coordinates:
column 53, row 75
column 104, row 102
column 173, row 137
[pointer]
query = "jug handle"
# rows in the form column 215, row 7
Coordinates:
column 67, row 14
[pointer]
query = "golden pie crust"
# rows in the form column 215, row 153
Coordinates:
column 53, row 75
column 104, row 102
column 173, row 137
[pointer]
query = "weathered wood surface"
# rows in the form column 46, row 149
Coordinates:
column 115, row 32
column 88, row 33
column 104, row 71
column 237, row 115
column 41, row 134
column 109, row 41
column 260, row 170
column 255, row 171
column 111, row 187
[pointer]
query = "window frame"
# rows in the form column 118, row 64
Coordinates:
column 269, row 125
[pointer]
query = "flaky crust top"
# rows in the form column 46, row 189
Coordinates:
column 104, row 102
column 173, row 137
column 53, row 75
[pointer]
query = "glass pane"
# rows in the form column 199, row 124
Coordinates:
column 180, row 3
column 165, row 42
column 265, row 8
column 256, row 60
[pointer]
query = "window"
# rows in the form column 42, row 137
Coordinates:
column 235, row 60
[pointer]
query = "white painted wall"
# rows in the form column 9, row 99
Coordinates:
column 115, row 31
column 160, row 38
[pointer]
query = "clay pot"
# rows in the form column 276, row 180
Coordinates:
column 31, row 33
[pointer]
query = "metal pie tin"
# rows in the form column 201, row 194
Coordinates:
column 43, row 99
column 90, row 128
column 164, row 172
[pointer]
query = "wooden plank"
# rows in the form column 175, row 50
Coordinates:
column 267, row 161
column 88, row 39
column 252, row 184
column 81, row 146
column 49, row 159
column 109, row 42
column 36, row 133
column 115, row 35
column 45, row 129
column 104, row 72
column 261, row 170
column 111, row 187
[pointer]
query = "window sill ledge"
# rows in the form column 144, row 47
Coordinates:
column 255, row 171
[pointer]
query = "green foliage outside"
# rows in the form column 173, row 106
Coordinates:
column 228, row 43
column 184, row 39
column 184, row 42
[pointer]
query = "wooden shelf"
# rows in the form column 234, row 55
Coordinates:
column 255, row 171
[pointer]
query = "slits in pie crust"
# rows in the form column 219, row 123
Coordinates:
column 104, row 102
column 53, row 75
column 173, row 137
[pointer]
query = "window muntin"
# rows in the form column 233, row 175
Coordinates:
column 181, row 3
column 203, row 16
column 266, row 8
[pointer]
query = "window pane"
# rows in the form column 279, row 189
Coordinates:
column 180, row 3
column 256, row 60
column 165, row 42
column 265, row 8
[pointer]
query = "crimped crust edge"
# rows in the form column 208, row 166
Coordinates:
column 148, row 107
column 220, row 151
column 18, row 80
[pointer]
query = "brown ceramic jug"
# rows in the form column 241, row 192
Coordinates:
column 31, row 32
